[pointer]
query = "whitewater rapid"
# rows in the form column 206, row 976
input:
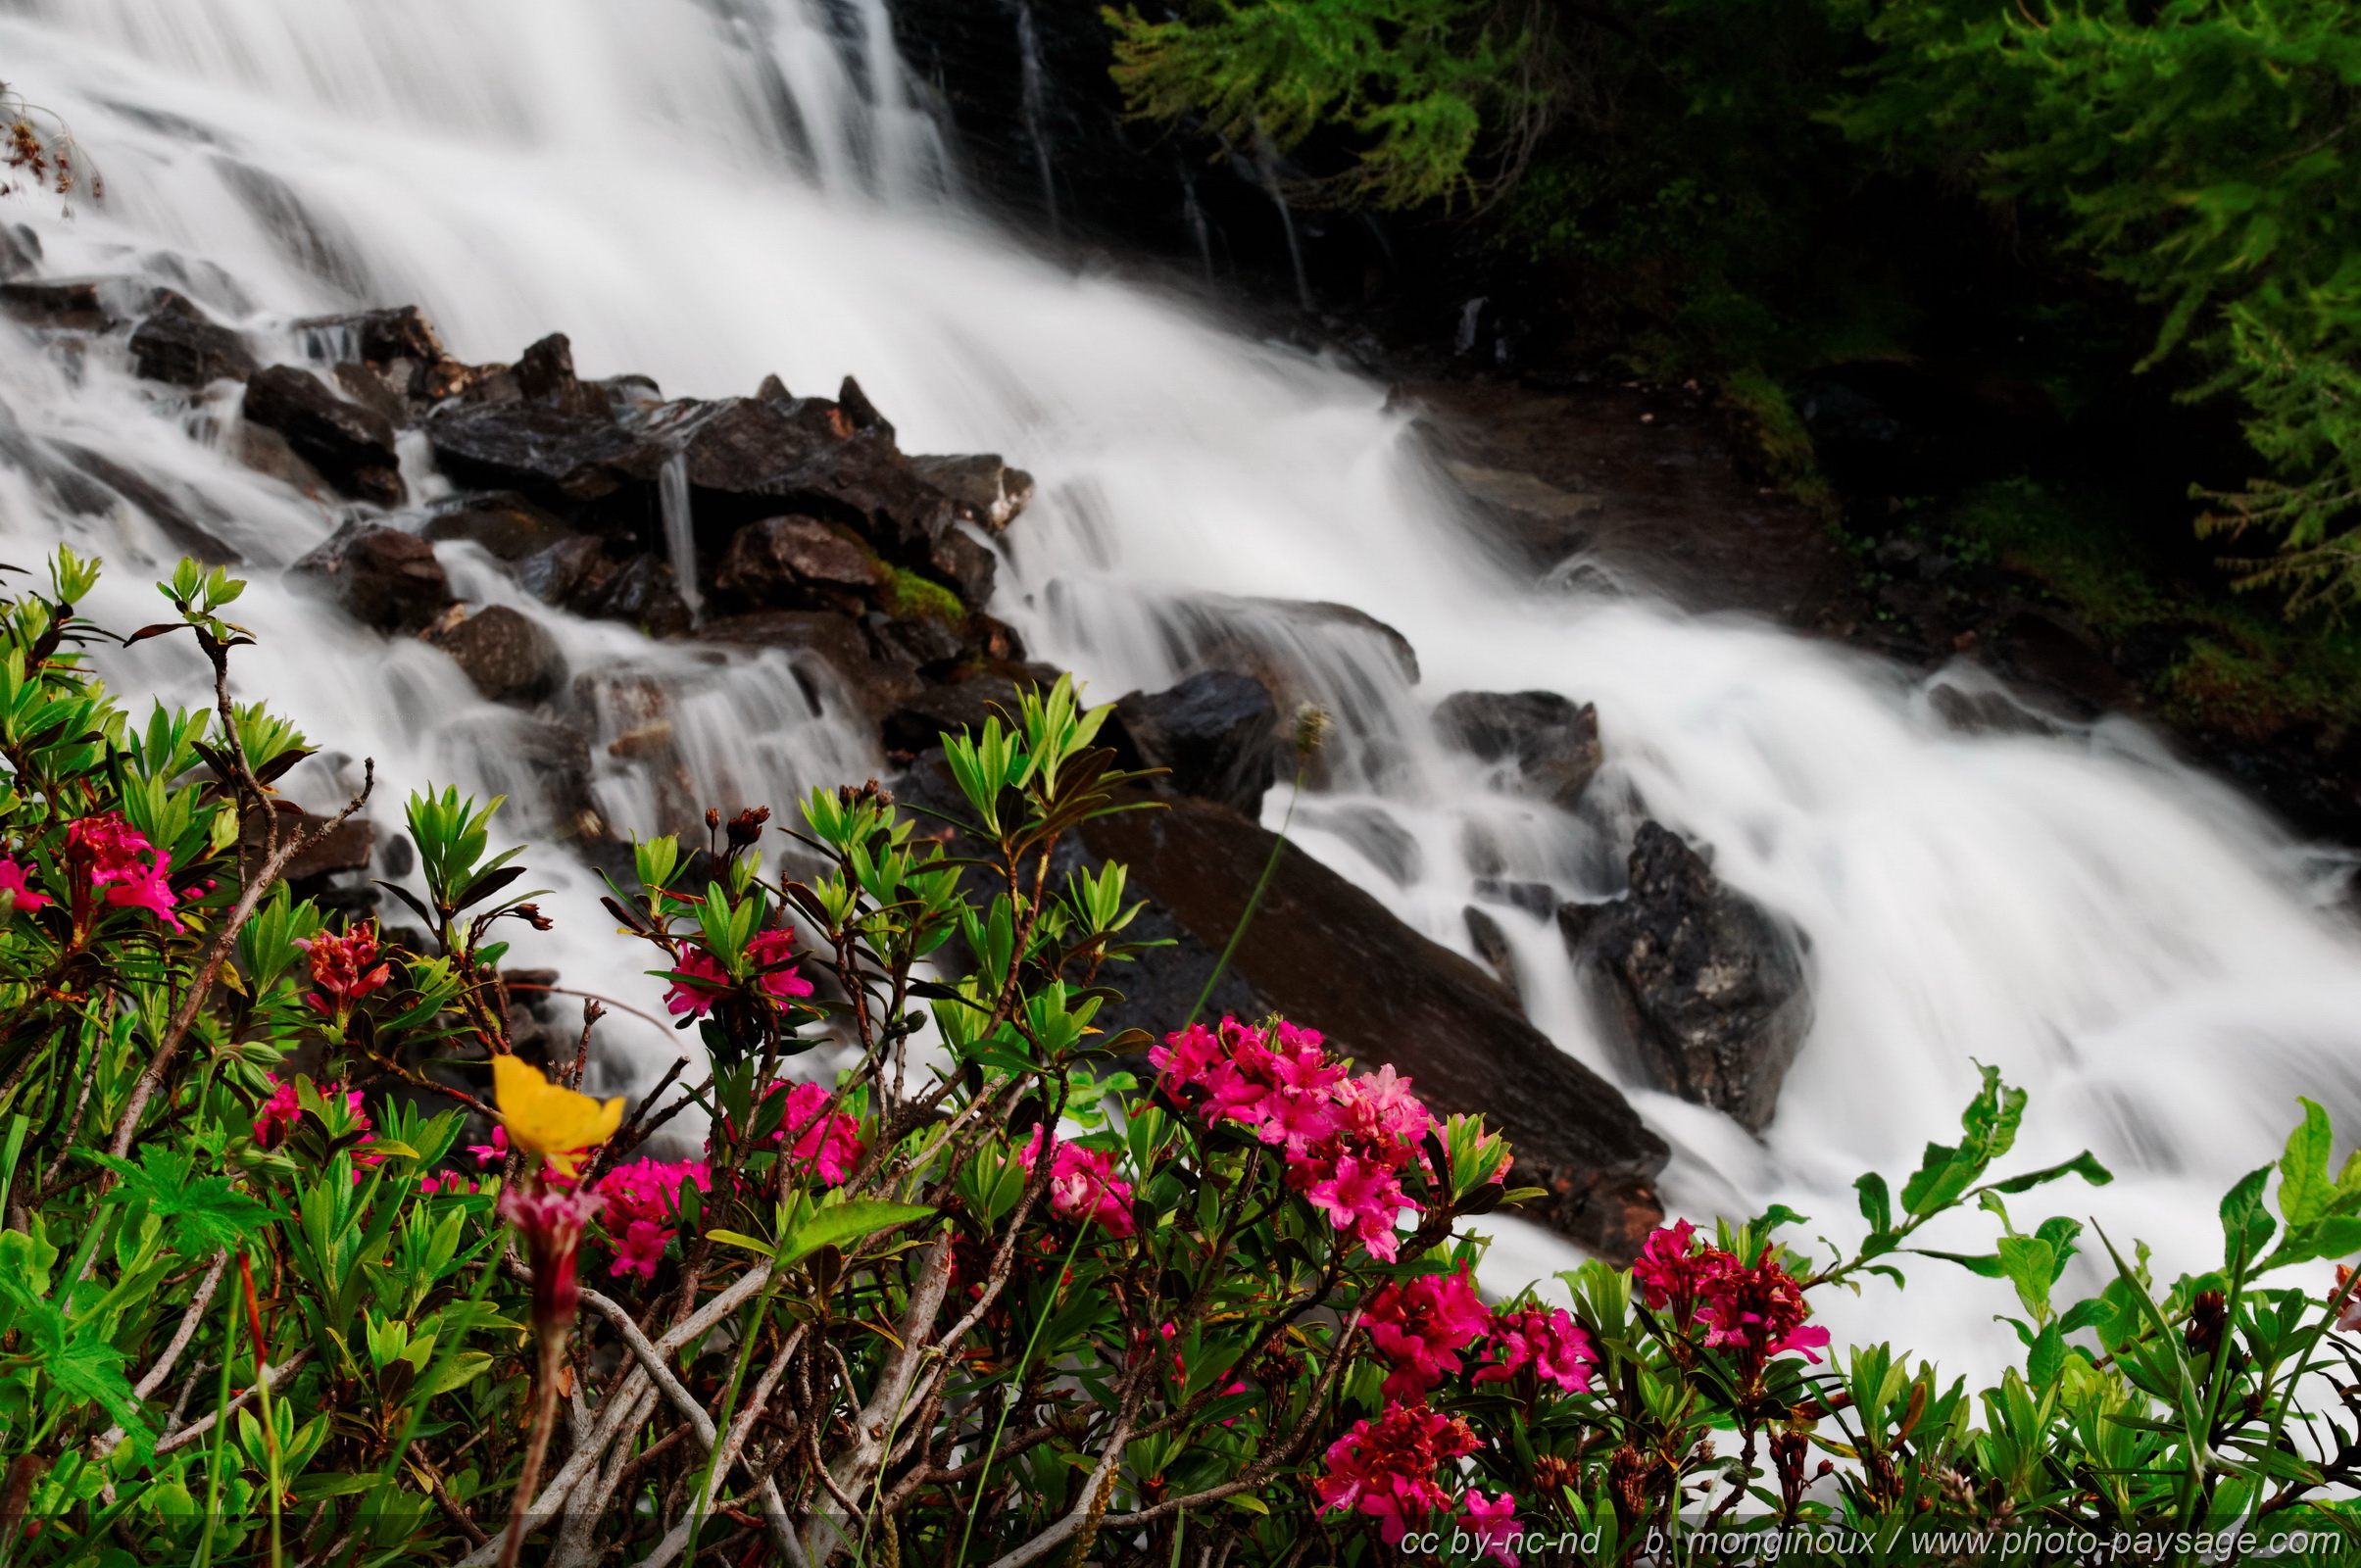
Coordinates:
column 710, row 192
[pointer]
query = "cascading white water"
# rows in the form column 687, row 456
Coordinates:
column 708, row 192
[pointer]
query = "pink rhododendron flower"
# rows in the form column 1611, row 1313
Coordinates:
column 1493, row 1523
column 1386, row 1468
column 449, row 1181
column 1760, row 1311
column 1549, row 1343
column 642, row 1198
column 1421, row 1325
column 493, row 1152
column 638, row 1249
column 1345, row 1141
column 13, row 883
column 279, row 1114
column 147, row 890
column 1674, row 1268
column 829, row 1149
column 107, row 848
column 1083, row 1185
column 341, row 966
column 709, row 981
column 1364, row 1197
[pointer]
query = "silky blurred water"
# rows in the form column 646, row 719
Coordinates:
column 710, row 192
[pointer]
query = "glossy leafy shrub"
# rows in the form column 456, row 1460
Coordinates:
column 304, row 1263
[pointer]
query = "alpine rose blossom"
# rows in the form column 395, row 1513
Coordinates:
column 829, row 1148
column 1386, row 1468
column 1549, row 1344
column 1421, row 1325
column 13, row 879
column 1083, row 1185
column 708, row 982
column 1493, row 1523
column 107, row 848
column 1345, row 1141
column 1759, row 1311
column 279, row 1114
column 643, row 1200
column 341, row 966
column 1674, row 1268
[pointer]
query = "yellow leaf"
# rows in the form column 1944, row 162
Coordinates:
column 555, row 1123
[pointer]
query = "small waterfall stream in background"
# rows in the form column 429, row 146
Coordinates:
column 709, row 193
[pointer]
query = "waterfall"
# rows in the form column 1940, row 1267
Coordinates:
column 710, row 192
column 680, row 538
column 1034, row 98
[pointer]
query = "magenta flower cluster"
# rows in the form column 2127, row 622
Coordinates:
column 1083, row 1185
column 1346, row 1140
column 103, row 851
column 706, row 982
column 1758, row 1310
column 643, row 1207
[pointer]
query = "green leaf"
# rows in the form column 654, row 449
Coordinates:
column 846, row 1222
column 740, row 1239
column 1985, row 1263
column 2082, row 1164
column 2246, row 1224
column 1877, row 1203
column 207, row 1213
column 2304, row 1189
column 2048, row 1358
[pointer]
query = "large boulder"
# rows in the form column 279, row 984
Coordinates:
column 1329, row 956
column 506, row 653
column 382, row 576
column 1702, row 989
column 351, row 446
column 179, row 346
column 1552, row 742
column 1216, row 734
column 939, row 710
column 789, row 560
column 985, row 489
column 509, row 526
column 552, row 453
column 644, row 593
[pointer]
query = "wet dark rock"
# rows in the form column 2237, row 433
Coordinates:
column 1701, row 988
column 20, row 251
column 376, row 337
column 1372, row 831
column 555, row 760
column 1492, row 944
column 918, row 643
column 179, row 346
column 1553, row 744
column 920, row 723
column 552, row 455
column 1217, row 733
column 968, row 565
column 645, row 594
column 369, row 388
column 780, row 559
column 347, row 847
column 509, row 526
column 169, row 515
column 860, row 411
column 352, row 446
column 986, row 490
column 545, row 375
column 1314, row 952
column 508, row 656
column 572, row 574
column 382, row 576
column 268, row 452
